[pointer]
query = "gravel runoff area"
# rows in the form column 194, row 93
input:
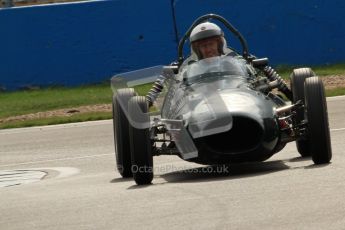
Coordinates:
column 330, row 82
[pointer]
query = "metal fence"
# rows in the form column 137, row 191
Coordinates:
column 12, row 3
column 7, row 3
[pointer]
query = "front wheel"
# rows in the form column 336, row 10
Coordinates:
column 121, row 133
column 297, row 79
column 318, row 127
column 140, row 142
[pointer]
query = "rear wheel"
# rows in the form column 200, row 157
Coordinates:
column 140, row 142
column 121, row 131
column 297, row 79
column 318, row 127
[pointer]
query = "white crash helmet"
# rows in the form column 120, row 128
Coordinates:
column 203, row 31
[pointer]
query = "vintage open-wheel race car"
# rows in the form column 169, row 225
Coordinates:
column 220, row 110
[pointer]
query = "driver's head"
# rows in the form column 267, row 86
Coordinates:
column 207, row 40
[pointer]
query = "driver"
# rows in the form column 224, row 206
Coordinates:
column 207, row 40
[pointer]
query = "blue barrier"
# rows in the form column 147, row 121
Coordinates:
column 87, row 42
column 75, row 43
column 288, row 32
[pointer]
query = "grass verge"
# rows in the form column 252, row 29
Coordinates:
column 33, row 101
column 322, row 71
column 58, row 120
column 94, row 116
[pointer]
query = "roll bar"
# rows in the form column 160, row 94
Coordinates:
column 227, row 24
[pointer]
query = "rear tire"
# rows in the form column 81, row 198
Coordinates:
column 297, row 79
column 318, row 127
column 140, row 142
column 121, row 132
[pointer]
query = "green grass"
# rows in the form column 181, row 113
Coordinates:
column 32, row 101
column 57, row 120
column 25, row 102
column 335, row 92
column 334, row 69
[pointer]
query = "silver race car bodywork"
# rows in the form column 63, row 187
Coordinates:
column 219, row 110
column 223, row 114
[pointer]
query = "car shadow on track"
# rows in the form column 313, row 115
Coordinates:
column 224, row 172
column 227, row 172
column 121, row 179
column 313, row 166
column 300, row 159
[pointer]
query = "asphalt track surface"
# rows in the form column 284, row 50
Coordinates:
column 63, row 177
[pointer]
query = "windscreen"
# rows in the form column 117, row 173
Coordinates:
column 222, row 65
column 136, row 78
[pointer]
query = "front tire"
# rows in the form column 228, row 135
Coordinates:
column 140, row 142
column 297, row 79
column 318, row 127
column 121, row 132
